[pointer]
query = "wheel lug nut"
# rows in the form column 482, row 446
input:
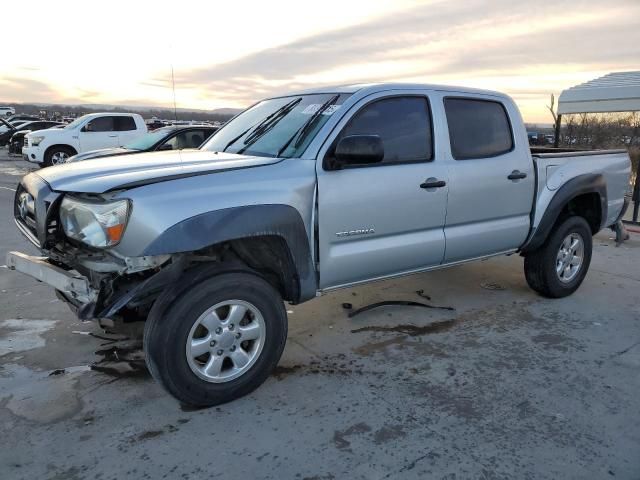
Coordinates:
column 213, row 343
column 238, row 335
column 233, row 348
column 231, row 326
column 220, row 352
column 219, row 330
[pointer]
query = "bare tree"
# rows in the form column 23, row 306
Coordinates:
column 551, row 109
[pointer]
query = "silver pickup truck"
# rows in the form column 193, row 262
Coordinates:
column 299, row 195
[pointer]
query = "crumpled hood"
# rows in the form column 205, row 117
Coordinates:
column 104, row 174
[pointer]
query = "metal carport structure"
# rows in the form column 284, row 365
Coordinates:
column 614, row 92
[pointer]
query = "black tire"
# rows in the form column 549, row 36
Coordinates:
column 49, row 155
column 540, row 266
column 167, row 330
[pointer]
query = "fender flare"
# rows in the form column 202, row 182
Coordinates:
column 587, row 183
column 54, row 145
column 217, row 226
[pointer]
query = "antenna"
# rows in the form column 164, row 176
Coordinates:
column 173, row 83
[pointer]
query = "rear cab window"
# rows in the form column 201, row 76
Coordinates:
column 478, row 128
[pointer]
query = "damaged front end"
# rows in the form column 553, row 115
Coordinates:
column 95, row 281
column 117, row 286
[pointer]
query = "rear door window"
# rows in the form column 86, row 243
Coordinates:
column 477, row 128
column 124, row 124
column 195, row 138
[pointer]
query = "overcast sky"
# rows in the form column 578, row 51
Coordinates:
column 231, row 53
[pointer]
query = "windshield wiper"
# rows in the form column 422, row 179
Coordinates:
column 268, row 124
column 304, row 130
column 255, row 127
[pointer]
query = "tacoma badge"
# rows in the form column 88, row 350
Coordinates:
column 360, row 231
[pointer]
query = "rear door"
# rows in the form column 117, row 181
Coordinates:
column 491, row 178
column 126, row 127
column 99, row 132
column 376, row 220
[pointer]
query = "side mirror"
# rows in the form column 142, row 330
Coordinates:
column 165, row 146
column 359, row 150
column 88, row 127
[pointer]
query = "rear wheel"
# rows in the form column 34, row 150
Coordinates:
column 219, row 340
column 58, row 155
column 558, row 267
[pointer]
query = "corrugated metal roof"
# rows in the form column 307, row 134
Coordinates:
column 615, row 92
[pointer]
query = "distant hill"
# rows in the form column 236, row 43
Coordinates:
column 74, row 110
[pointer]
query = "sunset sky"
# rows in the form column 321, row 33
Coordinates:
column 229, row 54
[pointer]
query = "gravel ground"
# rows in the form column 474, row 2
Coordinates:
column 508, row 385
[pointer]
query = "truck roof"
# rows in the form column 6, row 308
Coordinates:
column 111, row 114
column 368, row 88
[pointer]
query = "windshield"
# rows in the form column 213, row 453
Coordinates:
column 75, row 123
column 148, row 140
column 276, row 127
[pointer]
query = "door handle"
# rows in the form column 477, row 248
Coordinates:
column 433, row 183
column 517, row 175
column 113, row 136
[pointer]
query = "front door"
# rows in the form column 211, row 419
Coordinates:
column 383, row 219
column 99, row 132
column 126, row 129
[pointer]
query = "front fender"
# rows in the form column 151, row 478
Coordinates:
column 214, row 227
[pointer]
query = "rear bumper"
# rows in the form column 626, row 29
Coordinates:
column 73, row 285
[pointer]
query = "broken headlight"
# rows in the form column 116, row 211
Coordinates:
column 98, row 224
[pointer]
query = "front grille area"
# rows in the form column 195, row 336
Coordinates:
column 26, row 141
column 25, row 213
column 33, row 210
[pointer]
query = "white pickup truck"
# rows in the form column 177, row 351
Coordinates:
column 89, row 132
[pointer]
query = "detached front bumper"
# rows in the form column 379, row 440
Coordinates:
column 73, row 285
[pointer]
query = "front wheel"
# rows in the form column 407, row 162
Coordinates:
column 559, row 266
column 58, row 155
column 219, row 340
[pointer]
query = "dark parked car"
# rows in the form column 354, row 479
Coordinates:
column 15, row 118
column 17, row 139
column 166, row 138
column 30, row 126
column 154, row 124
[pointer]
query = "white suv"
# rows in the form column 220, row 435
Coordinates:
column 7, row 111
column 89, row 132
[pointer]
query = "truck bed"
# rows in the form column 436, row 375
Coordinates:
column 556, row 166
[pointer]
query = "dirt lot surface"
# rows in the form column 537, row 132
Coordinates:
column 507, row 385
